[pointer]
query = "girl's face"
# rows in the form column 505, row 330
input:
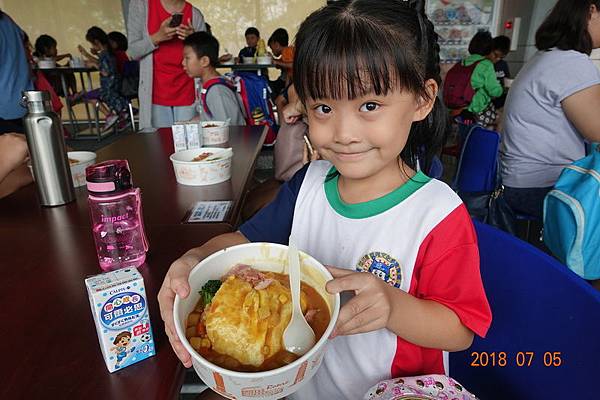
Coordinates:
column 594, row 26
column 113, row 44
column 51, row 51
column 95, row 46
column 364, row 137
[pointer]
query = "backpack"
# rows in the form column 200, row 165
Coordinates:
column 255, row 94
column 130, row 80
column 458, row 91
column 572, row 217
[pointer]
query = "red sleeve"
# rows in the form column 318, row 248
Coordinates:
column 447, row 271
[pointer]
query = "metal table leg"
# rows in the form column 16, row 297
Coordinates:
column 70, row 112
column 87, row 107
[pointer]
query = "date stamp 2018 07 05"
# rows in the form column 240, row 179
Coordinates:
column 482, row 359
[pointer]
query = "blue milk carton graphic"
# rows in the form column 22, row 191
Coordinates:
column 120, row 309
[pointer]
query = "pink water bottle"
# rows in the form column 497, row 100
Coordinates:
column 116, row 212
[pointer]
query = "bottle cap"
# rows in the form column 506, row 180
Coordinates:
column 109, row 177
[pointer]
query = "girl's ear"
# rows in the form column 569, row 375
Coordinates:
column 425, row 103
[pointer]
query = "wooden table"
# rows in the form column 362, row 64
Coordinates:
column 164, row 201
column 49, row 343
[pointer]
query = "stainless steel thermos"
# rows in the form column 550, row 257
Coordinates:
column 47, row 150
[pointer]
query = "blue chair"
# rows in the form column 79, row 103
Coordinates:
column 436, row 170
column 478, row 164
column 538, row 306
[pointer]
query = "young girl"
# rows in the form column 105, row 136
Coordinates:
column 47, row 47
column 118, row 45
column 367, row 72
column 110, row 82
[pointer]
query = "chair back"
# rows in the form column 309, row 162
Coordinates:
column 478, row 164
column 544, row 333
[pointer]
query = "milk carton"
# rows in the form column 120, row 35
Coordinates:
column 120, row 309
column 192, row 134
column 179, row 136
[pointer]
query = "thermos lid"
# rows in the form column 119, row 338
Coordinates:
column 36, row 95
column 108, row 177
column 36, row 101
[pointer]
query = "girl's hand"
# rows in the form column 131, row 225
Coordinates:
column 176, row 282
column 370, row 308
column 83, row 51
column 184, row 30
column 164, row 33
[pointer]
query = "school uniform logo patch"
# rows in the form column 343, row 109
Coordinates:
column 383, row 266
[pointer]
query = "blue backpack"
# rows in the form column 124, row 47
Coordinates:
column 255, row 94
column 572, row 217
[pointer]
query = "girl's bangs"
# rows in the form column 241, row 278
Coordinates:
column 354, row 59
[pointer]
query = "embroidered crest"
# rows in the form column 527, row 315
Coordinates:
column 383, row 266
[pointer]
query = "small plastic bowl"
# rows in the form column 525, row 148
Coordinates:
column 46, row 63
column 200, row 173
column 248, row 60
column 214, row 132
column 266, row 385
column 84, row 159
column 265, row 60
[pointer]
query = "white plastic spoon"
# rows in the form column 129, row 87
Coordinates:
column 298, row 337
column 219, row 154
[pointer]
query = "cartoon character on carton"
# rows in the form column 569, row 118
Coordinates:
column 121, row 343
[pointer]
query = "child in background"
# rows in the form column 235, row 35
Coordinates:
column 113, row 103
column 39, row 79
column 118, row 44
column 220, row 101
column 252, row 37
column 46, row 47
column 500, row 49
column 403, row 244
column 483, row 81
column 279, row 44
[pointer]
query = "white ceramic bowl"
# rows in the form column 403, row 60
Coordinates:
column 248, row 60
column 46, row 63
column 267, row 385
column 84, row 160
column 200, row 173
column 214, row 132
column 263, row 60
column 231, row 61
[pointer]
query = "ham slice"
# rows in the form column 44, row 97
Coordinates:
column 310, row 315
column 254, row 277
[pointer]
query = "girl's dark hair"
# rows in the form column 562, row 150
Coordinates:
column 97, row 34
column 348, row 49
column 119, row 39
column 43, row 44
column 566, row 27
column 481, row 43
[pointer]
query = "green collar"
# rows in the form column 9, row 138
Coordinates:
column 372, row 207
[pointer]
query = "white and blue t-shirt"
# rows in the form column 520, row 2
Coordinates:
column 418, row 238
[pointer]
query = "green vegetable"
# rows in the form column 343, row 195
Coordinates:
column 209, row 290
